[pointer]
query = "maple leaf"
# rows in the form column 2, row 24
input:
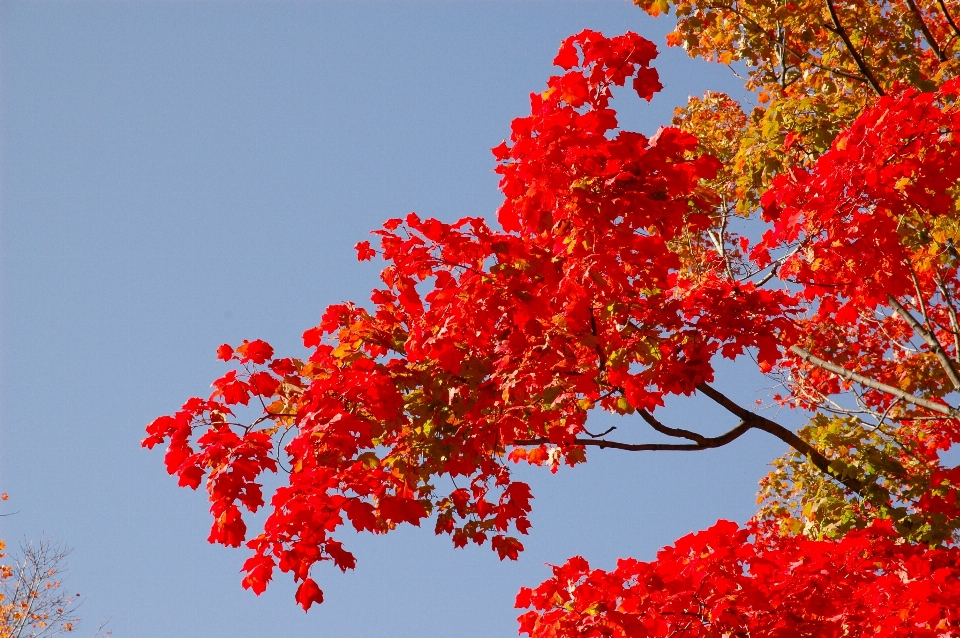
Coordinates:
column 256, row 351
column 364, row 251
column 308, row 593
column 259, row 573
column 263, row 384
column 567, row 58
column 400, row 510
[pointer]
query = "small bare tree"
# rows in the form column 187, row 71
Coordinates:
column 33, row 602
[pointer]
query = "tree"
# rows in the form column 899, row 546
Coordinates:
column 33, row 603
column 613, row 280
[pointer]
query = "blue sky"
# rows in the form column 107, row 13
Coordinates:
column 178, row 175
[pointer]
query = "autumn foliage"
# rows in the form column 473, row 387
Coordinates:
column 614, row 279
column 730, row 581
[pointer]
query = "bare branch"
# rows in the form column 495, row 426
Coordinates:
column 770, row 275
column 843, row 373
column 604, row 433
column 789, row 437
column 675, row 432
column 34, row 603
column 748, row 421
column 707, row 443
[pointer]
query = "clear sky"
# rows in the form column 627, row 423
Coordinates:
column 177, row 175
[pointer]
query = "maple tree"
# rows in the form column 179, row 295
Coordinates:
column 620, row 268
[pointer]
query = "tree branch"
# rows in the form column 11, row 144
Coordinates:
column 946, row 14
column 876, row 385
column 931, row 340
column 864, row 69
column 952, row 311
column 789, row 437
column 748, row 421
column 602, row 434
column 926, row 32
column 707, row 443
column 802, row 58
column 675, row 432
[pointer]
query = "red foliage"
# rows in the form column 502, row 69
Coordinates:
column 730, row 581
column 599, row 290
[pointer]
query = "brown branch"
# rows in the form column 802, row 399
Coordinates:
column 876, row 385
column 926, row 32
column 753, row 420
column 931, row 340
column 748, row 421
column 708, row 443
column 602, row 434
column 946, row 14
column 675, row 432
column 864, row 69
column 770, row 275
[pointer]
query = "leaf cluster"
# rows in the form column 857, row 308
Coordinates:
column 613, row 279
